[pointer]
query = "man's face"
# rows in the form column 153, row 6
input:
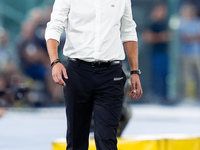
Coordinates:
column 159, row 13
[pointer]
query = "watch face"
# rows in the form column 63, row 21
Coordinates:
column 139, row 72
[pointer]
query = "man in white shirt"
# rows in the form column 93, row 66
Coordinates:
column 93, row 79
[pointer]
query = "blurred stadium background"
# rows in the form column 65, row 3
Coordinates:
column 170, row 64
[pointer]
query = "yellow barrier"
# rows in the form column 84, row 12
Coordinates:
column 166, row 142
column 184, row 144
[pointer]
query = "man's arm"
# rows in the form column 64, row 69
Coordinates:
column 190, row 38
column 55, row 27
column 132, row 53
column 58, row 69
column 153, row 37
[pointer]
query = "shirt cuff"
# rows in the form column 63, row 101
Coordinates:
column 129, row 38
column 52, row 34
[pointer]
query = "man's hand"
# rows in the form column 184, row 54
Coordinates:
column 57, row 71
column 136, row 86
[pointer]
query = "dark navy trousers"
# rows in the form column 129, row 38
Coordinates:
column 98, row 89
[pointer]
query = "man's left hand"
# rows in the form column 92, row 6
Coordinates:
column 136, row 86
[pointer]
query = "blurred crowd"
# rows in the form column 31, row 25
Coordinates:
column 189, row 34
column 157, row 36
column 25, row 73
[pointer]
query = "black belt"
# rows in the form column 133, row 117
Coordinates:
column 96, row 63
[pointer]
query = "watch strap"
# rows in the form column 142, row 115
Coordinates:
column 138, row 72
column 55, row 62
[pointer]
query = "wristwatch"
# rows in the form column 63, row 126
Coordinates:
column 136, row 72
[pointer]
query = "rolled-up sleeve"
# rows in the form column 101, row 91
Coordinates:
column 128, row 25
column 58, row 21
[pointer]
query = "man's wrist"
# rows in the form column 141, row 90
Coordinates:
column 55, row 62
column 53, row 59
column 138, row 72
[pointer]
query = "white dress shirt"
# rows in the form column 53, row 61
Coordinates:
column 95, row 29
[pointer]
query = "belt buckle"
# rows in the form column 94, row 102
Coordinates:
column 96, row 64
column 115, row 62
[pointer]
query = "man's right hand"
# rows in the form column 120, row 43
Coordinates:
column 57, row 71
